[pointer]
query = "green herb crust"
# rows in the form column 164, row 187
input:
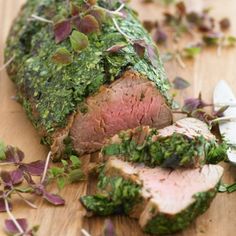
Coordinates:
column 173, row 151
column 49, row 91
column 117, row 196
column 163, row 224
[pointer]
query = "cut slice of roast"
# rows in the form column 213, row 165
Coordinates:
column 127, row 103
column 168, row 200
column 187, row 143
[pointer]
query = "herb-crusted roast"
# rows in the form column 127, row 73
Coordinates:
column 163, row 200
column 85, row 72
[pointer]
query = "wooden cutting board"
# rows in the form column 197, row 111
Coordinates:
column 15, row 129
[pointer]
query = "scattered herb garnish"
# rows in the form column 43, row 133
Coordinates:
column 19, row 181
column 109, row 229
column 62, row 56
column 180, row 83
column 70, row 172
column 227, row 188
column 21, row 229
column 183, row 22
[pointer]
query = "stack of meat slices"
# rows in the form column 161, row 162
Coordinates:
column 164, row 192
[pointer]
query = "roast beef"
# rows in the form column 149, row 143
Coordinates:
column 77, row 99
column 187, row 143
column 167, row 200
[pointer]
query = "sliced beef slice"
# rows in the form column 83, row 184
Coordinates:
column 169, row 200
column 128, row 102
column 187, row 143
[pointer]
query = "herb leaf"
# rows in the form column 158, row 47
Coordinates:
column 79, row 41
column 62, row 56
column 180, row 83
column 88, row 25
column 62, row 30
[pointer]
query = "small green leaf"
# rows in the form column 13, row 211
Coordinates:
column 231, row 40
column 211, row 39
column 231, row 188
column 75, row 161
column 79, row 41
column 2, row 151
column 62, row 56
column 75, row 176
column 56, row 171
column 191, row 52
column 61, row 182
column 64, row 163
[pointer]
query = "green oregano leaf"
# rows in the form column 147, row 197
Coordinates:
column 61, row 182
column 62, row 56
column 75, row 161
column 75, row 176
column 79, row 41
column 191, row 52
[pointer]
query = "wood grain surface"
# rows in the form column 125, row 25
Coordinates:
column 15, row 129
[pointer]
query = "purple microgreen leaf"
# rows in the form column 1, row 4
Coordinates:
column 193, row 18
column 211, row 39
column 14, row 155
column 74, row 9
column 33, row 168
column 206, row 24
column 99, row 15
column 11, row 228
column 152, row 55
column 149, row 25
column 88, row 25
column 139, row 47
column 79, row 41
column 191, row 51
column 62, row 56
column 202, row 115
column 220, row 112
column 6, row 178
column 109, row 229
column 62, row 30
column 3, row 205
column 169, row 18
column 29, row 179
column 224, row 24
column 181, row 8
column 116, row 48
column 159, row 36
column 16, row 177
column 191, row 104
column 180, row 83
column 53, row 199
